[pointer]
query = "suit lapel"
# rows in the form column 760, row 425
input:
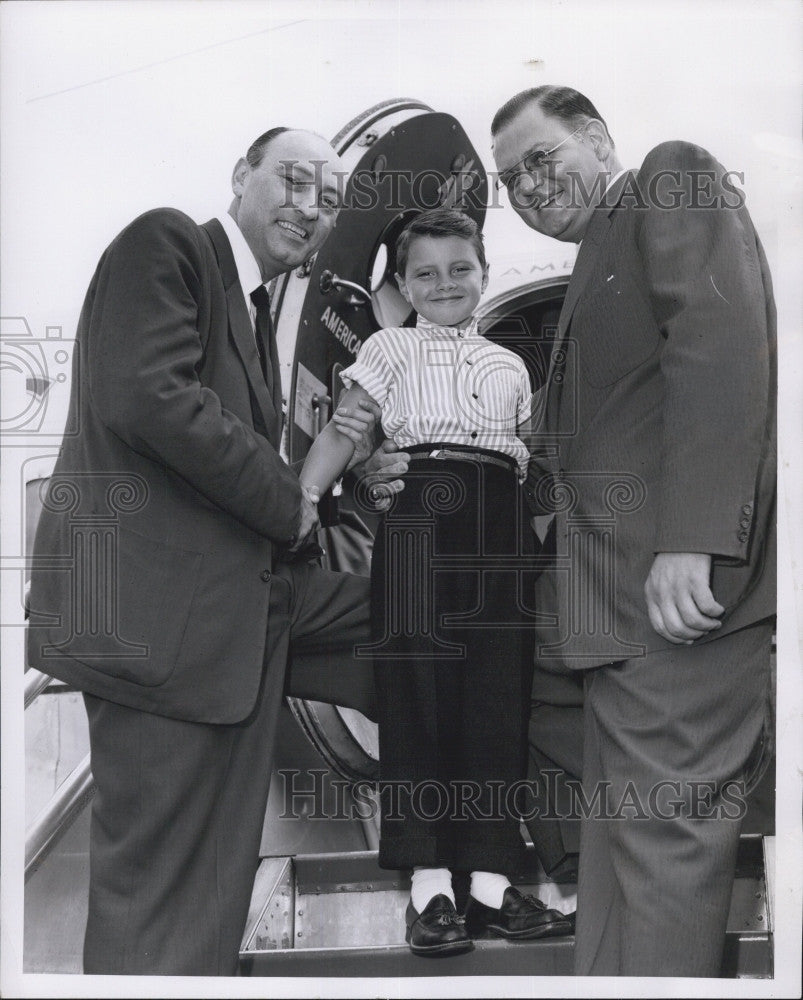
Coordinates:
column 596, row 234
column 240, row 329
column 583, row 266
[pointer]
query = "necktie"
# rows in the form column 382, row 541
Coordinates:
column 266, row 346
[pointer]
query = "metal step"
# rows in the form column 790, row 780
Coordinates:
column 341, row 915
column 371, row 902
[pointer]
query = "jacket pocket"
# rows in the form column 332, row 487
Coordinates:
column 149, row 590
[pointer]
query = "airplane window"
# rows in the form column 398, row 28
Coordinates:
column 389, row 305
column 527, row 326
column 380, row 267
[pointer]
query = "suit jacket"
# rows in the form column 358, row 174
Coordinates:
column 659, row 427
column 152, row 561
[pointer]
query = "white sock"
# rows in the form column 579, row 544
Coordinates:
column 489, row 888
column 426, row 883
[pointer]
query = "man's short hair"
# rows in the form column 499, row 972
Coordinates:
column 256, row 151
column 564, row 103
column 439, row 222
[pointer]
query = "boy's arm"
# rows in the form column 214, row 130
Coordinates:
column 331, row 450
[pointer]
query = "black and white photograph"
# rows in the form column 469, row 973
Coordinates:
column 402, row 498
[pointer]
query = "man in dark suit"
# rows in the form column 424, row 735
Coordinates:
column 157, row 590
column 657, row 459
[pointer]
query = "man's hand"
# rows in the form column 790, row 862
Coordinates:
column 679, row 599
column 377, row 473
column 309, row 520
column 357, row 424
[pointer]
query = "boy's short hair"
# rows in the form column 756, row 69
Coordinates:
column 439, row 222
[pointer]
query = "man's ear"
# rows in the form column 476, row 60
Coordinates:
column 402, row 287
column 240, row 172
column 484, row 278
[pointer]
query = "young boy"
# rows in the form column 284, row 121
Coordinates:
column 449, row 643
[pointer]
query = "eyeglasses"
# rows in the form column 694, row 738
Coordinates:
column 531, row 162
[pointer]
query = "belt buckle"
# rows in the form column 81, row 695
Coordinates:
column 436, row 453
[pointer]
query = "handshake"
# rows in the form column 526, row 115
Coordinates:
column 306, row 547
column 377, row 467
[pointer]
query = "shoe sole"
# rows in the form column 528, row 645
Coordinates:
column 439, row 950
column 555, row 929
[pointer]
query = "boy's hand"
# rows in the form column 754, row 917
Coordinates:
column 357, row 424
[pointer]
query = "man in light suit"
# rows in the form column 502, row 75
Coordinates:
column 657, row 459
column 157, row 590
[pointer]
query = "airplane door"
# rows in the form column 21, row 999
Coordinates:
column 401, row 157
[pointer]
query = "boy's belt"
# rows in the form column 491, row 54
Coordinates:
column 461, row 454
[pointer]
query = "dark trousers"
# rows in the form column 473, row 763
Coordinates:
column 664, row 735
column 448, row 582
column 179, row 808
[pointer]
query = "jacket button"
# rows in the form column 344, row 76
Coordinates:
column 264, row 575
column 745, row 522
column 747, row 509
column 742, row 536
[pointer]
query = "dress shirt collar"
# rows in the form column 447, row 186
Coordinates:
column 608, row 192
column 450, row 331
column 609, row 197
column 245, row 262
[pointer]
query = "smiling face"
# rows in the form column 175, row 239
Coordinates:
column 443, row 279
column 287, row 206
column 551, row 200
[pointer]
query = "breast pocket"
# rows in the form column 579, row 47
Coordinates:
column 614, row 329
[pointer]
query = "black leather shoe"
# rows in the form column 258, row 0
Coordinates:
column 437, row 930
column 520, row 918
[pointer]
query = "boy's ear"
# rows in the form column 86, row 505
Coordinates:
column 402, row 287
